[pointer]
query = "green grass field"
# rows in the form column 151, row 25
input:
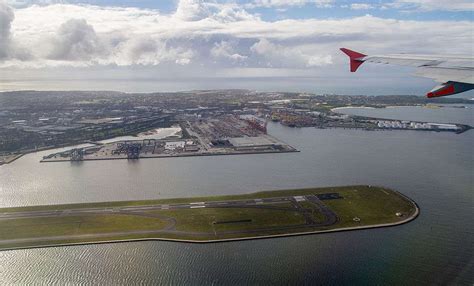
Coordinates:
column 70, row 225
column 360, row 206
column 371, row 207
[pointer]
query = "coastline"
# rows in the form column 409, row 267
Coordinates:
column 12, row 159
column 203, row 238
column 349, row 107
column 176, row 156
column 85, row 143
column 210, row 241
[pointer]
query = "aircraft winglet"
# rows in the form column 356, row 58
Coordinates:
column 356, row 59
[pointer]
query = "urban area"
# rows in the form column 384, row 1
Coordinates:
column 214, row 122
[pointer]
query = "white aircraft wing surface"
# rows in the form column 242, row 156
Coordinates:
column 456, row 73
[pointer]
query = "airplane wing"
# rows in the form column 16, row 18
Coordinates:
column 455, row 73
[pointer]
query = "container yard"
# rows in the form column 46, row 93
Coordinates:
column 224, row 135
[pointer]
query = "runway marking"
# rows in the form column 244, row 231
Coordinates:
column 300, row 198
column 197, row 207
column 145, row 208
column 197, row 203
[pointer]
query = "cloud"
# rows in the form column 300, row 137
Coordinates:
column 183, row 61
column 431, row 5
column 6, row 18
column 192, row 10
column 76, row 40
column 361, row 6
column 282, row 3
column 207, row 36
column 196, row 10
column 416, row 5
column 225, row 50
column 280, row 56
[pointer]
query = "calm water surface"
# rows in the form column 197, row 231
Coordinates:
column 435, row 169
column 447, row 114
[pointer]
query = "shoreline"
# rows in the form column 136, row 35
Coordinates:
column 74, row 145
column 94, row 238
column 173, row 156
column 349, row 107
column 423, row 105
column 211, row 241
column 11, row 160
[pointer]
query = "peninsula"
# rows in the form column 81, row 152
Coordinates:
column 207, row 219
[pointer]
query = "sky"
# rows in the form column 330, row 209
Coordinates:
column 285, row 45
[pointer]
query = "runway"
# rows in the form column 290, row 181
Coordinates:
column 273, row 203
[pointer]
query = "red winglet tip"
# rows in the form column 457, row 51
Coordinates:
column 443, row 90
column 354, row 58
column 352, row 54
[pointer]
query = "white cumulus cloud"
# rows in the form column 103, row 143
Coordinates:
column 75, row 40
column 281, row 3
column 361, row 6
column 280, row 56
column 225, row 49
column 207, row 35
